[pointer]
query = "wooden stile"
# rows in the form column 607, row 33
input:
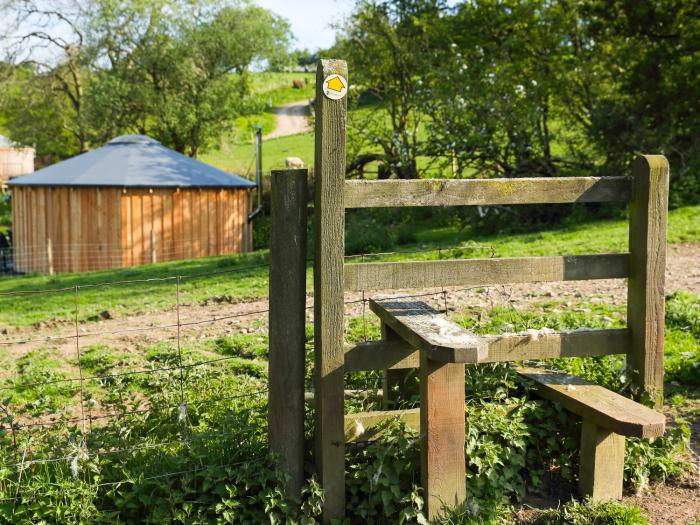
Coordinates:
column 484, row 192
column 645, row 291
column 287, row 323
column 328, row 290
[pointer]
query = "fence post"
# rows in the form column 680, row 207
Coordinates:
column 153, row 247
column 645, row 289
column 329, row 250
column 49, row 255
column 287, row 323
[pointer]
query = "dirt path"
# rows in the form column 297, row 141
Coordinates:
column 291, row 119
column 208, row 320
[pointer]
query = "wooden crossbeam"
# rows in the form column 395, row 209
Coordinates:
column 368, row 426
column 485, row 192
column 381, row 355
column 604, row 408
column 424, row 328
column 468, row 272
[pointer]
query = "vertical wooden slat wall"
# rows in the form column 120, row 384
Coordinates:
column 101, row 228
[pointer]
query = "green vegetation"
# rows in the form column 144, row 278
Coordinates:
column 589, row 513
column 162, row 461
column 240, row 157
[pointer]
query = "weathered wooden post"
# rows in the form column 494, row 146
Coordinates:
column 287, row 319
column 49, row 256
column 153, row 247
column 442, row 424
column 329, row 250
column 645, row 291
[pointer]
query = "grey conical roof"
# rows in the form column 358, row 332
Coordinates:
column 133, row 161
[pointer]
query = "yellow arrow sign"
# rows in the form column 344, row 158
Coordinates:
column 335, row 84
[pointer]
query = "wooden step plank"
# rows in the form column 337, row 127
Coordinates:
column 468, row 272
column 424, row 328
column 381, row 355
column 366, row 426
column 599, row 405
column 484, row 192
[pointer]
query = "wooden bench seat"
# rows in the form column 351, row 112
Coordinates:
column 425, row 329
column 607, row 418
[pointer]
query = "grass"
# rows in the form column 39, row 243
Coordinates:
column 240, row 157
column 244, row 276
column 236, row 151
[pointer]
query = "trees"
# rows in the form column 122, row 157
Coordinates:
column 168, row 68
column 389, row 46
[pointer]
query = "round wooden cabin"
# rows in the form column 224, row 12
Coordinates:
column 14, row 160
column 128, row 203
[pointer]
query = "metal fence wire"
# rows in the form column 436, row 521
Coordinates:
column 88, row 418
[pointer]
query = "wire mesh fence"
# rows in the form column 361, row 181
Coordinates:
column 184, row 409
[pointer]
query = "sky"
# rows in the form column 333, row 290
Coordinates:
column 311, row 19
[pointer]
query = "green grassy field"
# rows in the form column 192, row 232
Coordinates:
column 244, row 277
column 240, row 157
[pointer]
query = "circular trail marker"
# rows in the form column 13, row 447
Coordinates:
column 335, row 87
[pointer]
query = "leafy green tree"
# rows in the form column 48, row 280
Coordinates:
column 389, row 47
column 648, row 52
column 496, row 104
column 174, row 69
column 184, row 79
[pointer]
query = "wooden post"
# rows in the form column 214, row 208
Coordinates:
column 645, row 292
column 395, row 387
column 442, row 423
column 153, row 247
column 602, row 462
column 49, row 256
column 287, row 320
column 329, row 219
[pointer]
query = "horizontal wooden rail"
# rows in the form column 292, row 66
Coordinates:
column 367, row 426
column 468, row 272
column 381, row 355
column 485, row 192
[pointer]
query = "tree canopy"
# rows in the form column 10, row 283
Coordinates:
column 527, row 87
column 174, row 69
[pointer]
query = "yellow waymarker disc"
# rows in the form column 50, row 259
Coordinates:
column 335, row 87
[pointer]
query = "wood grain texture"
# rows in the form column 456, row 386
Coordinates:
column 287, row 324
column 329, row 170
column 467, row 272
column 483, row 192
column 602, row 462
column 605, row 408
column 424, row 328
column 100, row 228
column 381, row 355
column 645, row 292
column 549, row 344
column 396, row 355
column 442, row 422
column 369, row 426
